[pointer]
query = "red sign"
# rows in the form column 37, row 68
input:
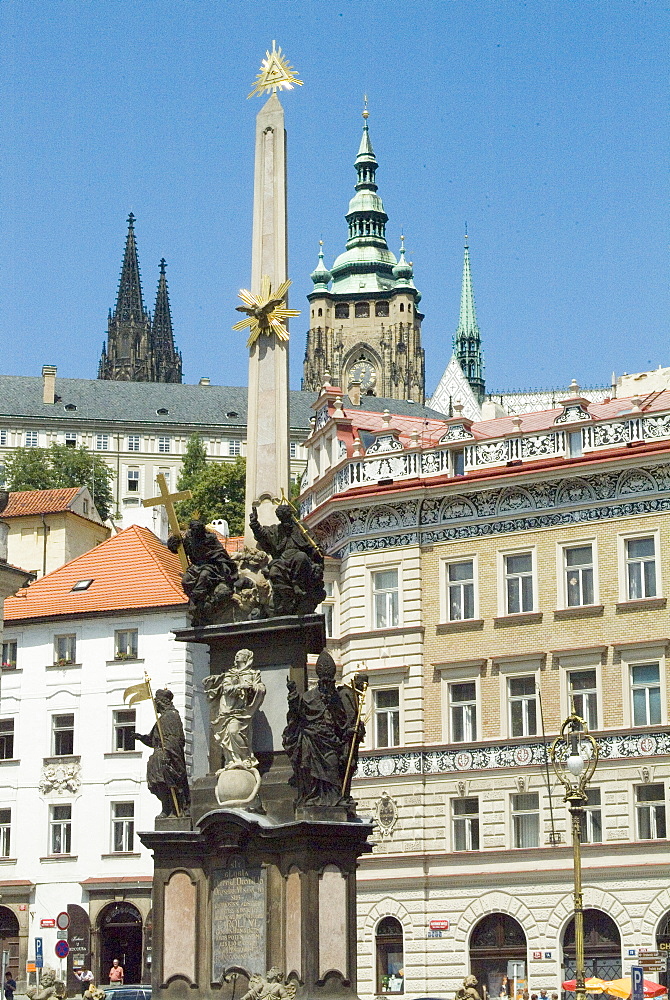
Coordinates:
column 47, row 922
column 62, row 948
column 439, row 925
column 62, row 921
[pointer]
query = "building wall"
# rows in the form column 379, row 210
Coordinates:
column 68, row 536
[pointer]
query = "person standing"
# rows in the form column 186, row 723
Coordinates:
column 10, row 986
column 85, row 977
column 116, row 974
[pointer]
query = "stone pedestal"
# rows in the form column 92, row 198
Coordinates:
column 248, row 889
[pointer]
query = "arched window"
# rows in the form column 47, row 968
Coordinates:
column 9, row 939
column 320, row 312
column 402, row 307
column 602, row 946
column 663, row 944
column 362, row 309
column 342, row 310
column 497, row 944
column 381, row 309
column 390, row 956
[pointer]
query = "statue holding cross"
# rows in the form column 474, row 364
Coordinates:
column 167, row 500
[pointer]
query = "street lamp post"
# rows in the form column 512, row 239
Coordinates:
column 574, row 755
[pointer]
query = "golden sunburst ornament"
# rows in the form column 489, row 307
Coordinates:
column 276, row 73
column 265, row 312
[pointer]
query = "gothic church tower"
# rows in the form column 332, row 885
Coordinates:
column 365, row 328
column 138, row 350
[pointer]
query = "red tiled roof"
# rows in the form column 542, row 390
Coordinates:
column 39, row 502
column 130, row 570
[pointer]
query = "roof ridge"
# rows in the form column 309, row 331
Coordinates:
column 150, row 551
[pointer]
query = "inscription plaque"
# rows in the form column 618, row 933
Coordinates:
column 238, row 918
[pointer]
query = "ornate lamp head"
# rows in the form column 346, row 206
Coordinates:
column 574, row 755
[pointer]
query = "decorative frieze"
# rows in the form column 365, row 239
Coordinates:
column 61, row 776
column 625, row 746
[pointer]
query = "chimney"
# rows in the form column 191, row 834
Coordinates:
column 49, row 384
column 355, row 392
column 204, row 381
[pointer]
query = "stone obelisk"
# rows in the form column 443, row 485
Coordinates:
column 268, row 414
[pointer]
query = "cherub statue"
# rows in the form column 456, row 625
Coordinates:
column 271, row 986
column 49, row 987
column 468, row 991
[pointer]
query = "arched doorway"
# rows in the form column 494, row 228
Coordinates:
column 602, row 947
column 390, row 956
column 498, row 949
column 9, row 939
column 663, row 945
column 120, row 926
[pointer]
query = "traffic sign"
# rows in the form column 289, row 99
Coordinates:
column 637, row 982
column 47, row 922
column 62, row 921
column 62, row 949
column 39, row 957
column 439, row 925
column 62, row 935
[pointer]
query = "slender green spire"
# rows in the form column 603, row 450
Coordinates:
column 467, row 340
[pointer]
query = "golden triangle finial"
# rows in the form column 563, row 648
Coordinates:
column 276, row 73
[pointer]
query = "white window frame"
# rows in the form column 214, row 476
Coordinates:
column 510, row 669
column 637, row 655
column 466, row 819
column 70, row 642
column 622, row 540
column 4, row 436
column 445, row 563
column 573, row 663
column 526, row 812
column 561, row 572
column 132, row 440
column 60, row 729
column 53, row 823
column 329, row 608
column 462, row 672
column 9, row 642
column 133, row 475
column 502, row 579
column 120, row 654
column 71, row 439
column 588, row 817
column 127, row 824
column 8, row 730
column 33, row 437
column 102, row 442
column 380, row 689
column 383, row 568
column 6, row 833
column 234, row 447
column 164, row 444
column 636, row 786
column 474, row 702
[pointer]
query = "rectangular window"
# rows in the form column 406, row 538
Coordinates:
column 526, row 819
column 465, row 824
column 70, row 439
column 519, row 583
column 387, row 718
column 65, row 650
column 578, row 563
column 584, row 696
column 640, row 568
column 327, row 607
column 31, row 439
column 133, row 443
column 463, row 710
column 458, row 460
column 123, row 827
column 124, row 730
column 234, row 446
column 125, row 644
column 9, row 654
column 6, row 739
column 133, row 480
column 62, row 735
column 61, row 829
column 385, row 598
column 522, row 706
column 461, row 590
column 4, row 437
column 294, row 449
column 591, row 819
column 646, row 694
column 5, row 833
column 650, row 809
column 166, row 474
column 164, row 445
column 575, row 444
column 102, row 442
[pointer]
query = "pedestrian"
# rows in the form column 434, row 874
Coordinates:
column 116, row 973
column 85, row 977
column 10, row 986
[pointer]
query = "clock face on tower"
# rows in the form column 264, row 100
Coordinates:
column 364, row 372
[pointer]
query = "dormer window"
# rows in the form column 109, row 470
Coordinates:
column 362, row 310
column 70, row 406
column 162, row 411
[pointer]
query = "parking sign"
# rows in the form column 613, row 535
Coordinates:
column 637, row 982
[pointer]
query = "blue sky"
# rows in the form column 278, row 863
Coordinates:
column 543, row 124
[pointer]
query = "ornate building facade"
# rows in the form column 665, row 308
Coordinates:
column 487, row 576
column 365, row 326
column 139, row 349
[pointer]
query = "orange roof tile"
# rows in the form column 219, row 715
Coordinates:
column 130, row 570
column 39, row 502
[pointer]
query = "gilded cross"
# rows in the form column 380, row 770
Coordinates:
column 167, row 500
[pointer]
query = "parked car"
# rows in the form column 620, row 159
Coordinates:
column 114, row 992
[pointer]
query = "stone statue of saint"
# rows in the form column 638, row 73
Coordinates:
column 271, row 986
column 320, row 727
column 240, row 692
column 212, row 578
column 296, row 570
column 166, row 768
column 49, row 987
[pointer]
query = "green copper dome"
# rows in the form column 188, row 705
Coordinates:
column 321, row 276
